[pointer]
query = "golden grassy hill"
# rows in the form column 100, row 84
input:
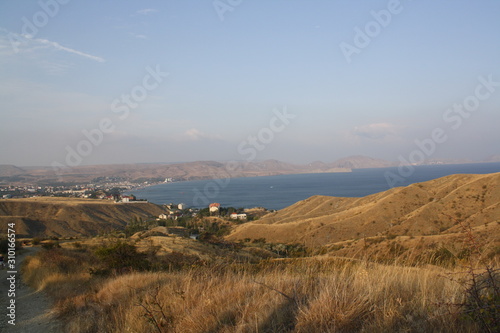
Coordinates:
column 69, row 217
column 432, row 208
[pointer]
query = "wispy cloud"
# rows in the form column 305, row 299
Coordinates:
column 194, row 134
column 26, row 43
column 59, row 47
column 147, row 11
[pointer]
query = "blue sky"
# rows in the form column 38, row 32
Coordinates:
column 232, row 65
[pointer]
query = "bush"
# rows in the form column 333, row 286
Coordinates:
column 77, row 245
column 50, row 245
column 259, row 240
column 482, row 304
column 177, row 260
column 121, row 257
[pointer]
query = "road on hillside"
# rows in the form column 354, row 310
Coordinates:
column 32, row 308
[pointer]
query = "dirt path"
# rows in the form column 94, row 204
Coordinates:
column 32, row 307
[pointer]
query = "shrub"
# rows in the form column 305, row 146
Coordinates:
column 482, row 304
column 50, row 245
column 177, row 260
column 121, row 256
column 259, row 240
column 77, row 245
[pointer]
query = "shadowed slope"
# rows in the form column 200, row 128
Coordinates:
column 66, row 217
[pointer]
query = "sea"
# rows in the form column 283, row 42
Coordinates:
column 277, row 192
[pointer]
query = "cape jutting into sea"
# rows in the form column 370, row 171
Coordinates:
column 277, row 192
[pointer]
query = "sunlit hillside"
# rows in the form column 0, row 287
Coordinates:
column 431, row 209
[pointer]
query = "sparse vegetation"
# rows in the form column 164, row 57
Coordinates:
column 50, row 245
column 299, row 295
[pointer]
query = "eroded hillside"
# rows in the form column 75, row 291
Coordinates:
column 67, row 217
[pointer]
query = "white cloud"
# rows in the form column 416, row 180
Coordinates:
column 58, row 46
column 12, row 43
column 375, row 131
column 194, row 134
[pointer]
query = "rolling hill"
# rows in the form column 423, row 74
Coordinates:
column 7, row 170
column 431, row 210
column 69, row 217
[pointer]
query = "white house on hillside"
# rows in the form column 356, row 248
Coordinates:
column 214, row 207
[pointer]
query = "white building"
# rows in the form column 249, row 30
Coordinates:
column 214, row 207
column 235, row 216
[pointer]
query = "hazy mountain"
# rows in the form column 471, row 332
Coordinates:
column 10, row 170
column 493, row 158
column 188, row 170
column 359, row 162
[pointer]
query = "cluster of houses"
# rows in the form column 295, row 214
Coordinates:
column 175, row 211
column 214, row 208
column 118, row 197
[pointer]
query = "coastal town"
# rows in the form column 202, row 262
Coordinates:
column 100, row 188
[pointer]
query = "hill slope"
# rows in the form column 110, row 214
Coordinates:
column 68, row 217
column 431, row 208
column 10, row 170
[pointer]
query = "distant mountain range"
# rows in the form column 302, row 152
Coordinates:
column 14, row 175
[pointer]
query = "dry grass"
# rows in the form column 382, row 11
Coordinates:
column 70, row 217
column 299, row 295
column 426, row 209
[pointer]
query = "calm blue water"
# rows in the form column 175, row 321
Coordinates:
column 277, row 192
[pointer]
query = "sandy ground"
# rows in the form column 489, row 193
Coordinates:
column 32, row 307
